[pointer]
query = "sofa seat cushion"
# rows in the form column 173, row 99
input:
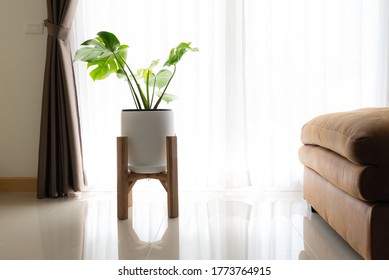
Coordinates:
column 361, row 136
column 364, row 182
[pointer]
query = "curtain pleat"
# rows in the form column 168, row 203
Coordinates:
column 60, row 166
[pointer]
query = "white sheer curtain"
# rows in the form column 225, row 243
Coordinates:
column 263, row 70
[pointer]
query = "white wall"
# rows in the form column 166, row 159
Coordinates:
column 22, row 59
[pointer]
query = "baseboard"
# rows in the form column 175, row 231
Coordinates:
column 18, row 184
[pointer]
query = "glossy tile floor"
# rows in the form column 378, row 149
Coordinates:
column 212, row 225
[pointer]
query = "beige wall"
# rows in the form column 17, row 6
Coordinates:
column 21, row 80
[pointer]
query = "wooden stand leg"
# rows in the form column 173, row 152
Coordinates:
column 122, row 178
column 172, row 176
column 130, row 195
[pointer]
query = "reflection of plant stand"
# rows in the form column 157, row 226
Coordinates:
column 127, row 179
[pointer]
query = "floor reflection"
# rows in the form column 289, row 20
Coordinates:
column 148, row 229
column 211, row 225
column 228, row 223
column 322, row 242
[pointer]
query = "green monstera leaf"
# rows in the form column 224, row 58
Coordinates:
column 105, row 55
column 177, row 53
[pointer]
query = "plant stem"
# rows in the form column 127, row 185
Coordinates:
column 136, row 83
column 133, row 92
column 152, row 96
column 147, row 89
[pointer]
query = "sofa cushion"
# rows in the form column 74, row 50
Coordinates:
column 361, row 136
column 365, row 182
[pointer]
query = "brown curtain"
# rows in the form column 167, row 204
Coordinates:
column 60, row 167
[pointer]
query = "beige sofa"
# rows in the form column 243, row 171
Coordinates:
column 346, row 176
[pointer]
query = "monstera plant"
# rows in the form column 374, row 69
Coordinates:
column 105, row 55
column 146, row 126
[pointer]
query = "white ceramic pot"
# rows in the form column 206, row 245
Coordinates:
column 146, row 131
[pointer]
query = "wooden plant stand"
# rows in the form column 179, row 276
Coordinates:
column 127, row 179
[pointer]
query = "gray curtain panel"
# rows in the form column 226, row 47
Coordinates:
column 60, row 167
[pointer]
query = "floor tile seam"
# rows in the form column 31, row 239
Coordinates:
column 301, row 234
column 151, row 244
column 305, row 243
